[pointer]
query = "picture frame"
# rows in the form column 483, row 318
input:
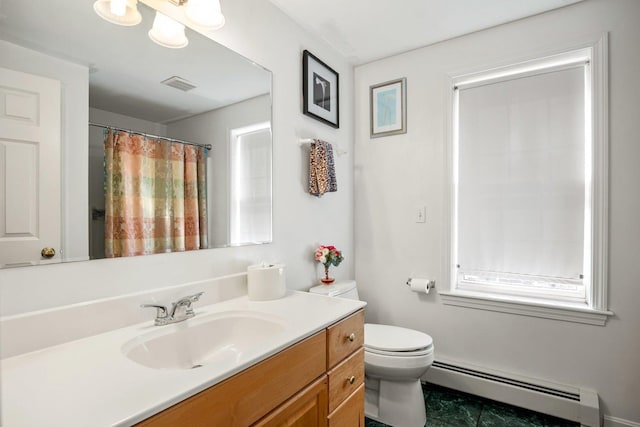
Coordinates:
column 320, row 90
column 388, row 108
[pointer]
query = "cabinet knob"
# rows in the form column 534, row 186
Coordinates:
column 351, row 379
column 351, row 337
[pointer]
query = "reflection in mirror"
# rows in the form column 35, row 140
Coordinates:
column 62, row 68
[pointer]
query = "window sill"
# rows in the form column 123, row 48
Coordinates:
column 501, row 304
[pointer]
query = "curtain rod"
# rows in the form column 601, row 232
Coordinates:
column 207, row 146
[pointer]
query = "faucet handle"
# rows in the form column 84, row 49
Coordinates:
column 196, row 297
column 192, row 298
column 161, row 313
column 186, row 303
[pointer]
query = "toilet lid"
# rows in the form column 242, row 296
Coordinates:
column 394, row 338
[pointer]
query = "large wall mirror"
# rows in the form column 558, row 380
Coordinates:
column 75, row 89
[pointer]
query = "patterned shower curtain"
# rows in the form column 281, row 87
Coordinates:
column 156, row 195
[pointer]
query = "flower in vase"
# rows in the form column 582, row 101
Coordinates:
column 328, row 255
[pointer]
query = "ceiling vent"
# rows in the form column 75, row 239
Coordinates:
column 179, row 83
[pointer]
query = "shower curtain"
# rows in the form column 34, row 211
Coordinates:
column 156, row 195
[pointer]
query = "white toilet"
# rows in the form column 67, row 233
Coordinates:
column 394, row 360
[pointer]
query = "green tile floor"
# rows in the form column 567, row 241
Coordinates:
column 451, row 408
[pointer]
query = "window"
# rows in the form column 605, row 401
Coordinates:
column 528, row 174
column 250, row 185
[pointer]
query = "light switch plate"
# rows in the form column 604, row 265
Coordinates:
column 421, row 213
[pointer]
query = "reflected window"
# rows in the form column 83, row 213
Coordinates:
column 250, row 189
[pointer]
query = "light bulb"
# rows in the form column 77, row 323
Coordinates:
column 205, row 13
column 118, row 7
column 119, row 12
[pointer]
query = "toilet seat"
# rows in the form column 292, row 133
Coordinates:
column 423, row 352
column 396, row 341
column 396, row 354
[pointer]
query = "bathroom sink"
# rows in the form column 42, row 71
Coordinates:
column 221, row 338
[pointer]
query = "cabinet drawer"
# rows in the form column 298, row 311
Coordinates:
column 345, row 378
column 351, row 412
column 246, row 397
column 344, row 338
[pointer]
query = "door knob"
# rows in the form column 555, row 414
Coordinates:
column 48, row 252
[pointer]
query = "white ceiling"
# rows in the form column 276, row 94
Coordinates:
column 126, row 67
column 366, row 30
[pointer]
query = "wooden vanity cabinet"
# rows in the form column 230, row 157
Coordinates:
column 345, row 370
column 249, row 395
column 316, row 382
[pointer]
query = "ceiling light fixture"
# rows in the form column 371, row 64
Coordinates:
column 119, row 12
column 168, row 32
column 206, row 14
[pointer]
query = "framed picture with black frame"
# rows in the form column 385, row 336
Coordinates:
column 320, row 90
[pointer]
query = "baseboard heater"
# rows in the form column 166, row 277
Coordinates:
column 563, row 401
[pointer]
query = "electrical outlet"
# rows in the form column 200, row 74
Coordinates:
column 421, row 214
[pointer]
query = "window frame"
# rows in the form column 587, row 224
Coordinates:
column 595, row 309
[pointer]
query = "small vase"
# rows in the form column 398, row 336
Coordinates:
column 327, row 280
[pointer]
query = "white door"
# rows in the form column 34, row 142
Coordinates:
column 29, row 167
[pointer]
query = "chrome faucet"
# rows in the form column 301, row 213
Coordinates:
column 180, row 310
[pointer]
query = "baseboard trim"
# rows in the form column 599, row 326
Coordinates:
column 610, row 421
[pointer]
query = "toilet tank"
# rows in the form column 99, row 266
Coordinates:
column 339, row 288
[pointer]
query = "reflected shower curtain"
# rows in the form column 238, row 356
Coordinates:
column 156, row 195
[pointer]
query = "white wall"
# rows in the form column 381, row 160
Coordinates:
column 259, row 31
column 213, row 128
column 75, row 101
column 104, row 117
column 393, row 175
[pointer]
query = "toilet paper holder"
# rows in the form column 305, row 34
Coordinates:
column 429, row 285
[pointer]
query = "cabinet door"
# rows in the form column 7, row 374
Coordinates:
column 351, row 412
column 306, row 409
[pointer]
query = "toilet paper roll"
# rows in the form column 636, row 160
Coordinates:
column 420, row 285
column 266, row 282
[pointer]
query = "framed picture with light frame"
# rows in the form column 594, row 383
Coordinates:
column 388, row 105
column 320, row 90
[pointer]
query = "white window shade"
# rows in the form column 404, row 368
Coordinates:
column 521, row 179
column 250, row 216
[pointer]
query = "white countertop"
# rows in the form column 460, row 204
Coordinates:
column 90, row 382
